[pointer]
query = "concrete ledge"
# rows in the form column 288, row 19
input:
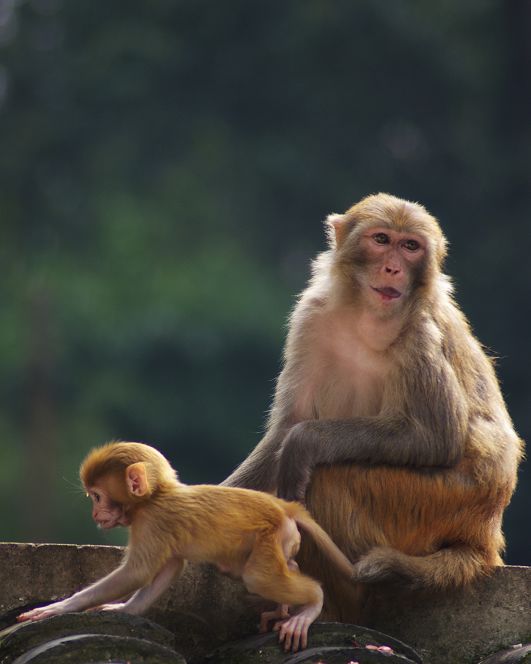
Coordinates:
column 460, row 626
column 204, row 609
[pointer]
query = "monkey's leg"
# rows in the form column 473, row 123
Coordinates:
column 392, row 522
column 281, row 613
column 449, row 567
column 266, row 573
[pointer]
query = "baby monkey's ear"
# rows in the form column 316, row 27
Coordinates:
column 137, row 480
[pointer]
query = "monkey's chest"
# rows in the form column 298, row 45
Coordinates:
column 348, row 386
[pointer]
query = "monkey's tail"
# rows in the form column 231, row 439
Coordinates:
column 323, row 541
column 450, row 567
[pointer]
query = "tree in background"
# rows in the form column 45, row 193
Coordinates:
column 164, row 169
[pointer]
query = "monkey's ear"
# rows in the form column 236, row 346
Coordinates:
column 338, row 227
column 137, row 480
column 442, row 251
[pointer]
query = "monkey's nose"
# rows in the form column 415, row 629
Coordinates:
column 391, row 270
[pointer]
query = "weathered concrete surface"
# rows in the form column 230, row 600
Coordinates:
column 461, row 626
column 516, row 655
column 327, row 642
column 23, row 637
column 99, row 648
column 205, row 609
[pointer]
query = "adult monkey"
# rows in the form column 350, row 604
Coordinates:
column 388, row 419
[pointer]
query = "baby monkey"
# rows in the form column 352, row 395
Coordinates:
column 247, row 534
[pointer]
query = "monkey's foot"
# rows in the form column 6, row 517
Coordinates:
column 293, row 631
column 279, row 614
column 378, row 564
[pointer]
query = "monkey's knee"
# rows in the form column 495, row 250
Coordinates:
column 289, row 587
column 304, row 591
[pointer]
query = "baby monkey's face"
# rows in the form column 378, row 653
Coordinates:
column 106, row 512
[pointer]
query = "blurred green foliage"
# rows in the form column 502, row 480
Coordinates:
column 164, row 170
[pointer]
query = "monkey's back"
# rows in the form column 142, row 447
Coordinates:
column 212, row 523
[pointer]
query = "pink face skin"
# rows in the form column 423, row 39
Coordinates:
column 106, row 512
column 391, row 257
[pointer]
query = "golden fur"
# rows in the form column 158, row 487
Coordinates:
column 245, row 533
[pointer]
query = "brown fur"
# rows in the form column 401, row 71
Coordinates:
column 388, row 416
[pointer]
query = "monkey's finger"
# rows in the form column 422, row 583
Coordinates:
column 304, row 636
column 286, row 634
column 112, row 607
column 282, row 634
column 28, row 615
column 45, row 614
column 287, row 640
column 295, row 638
column 298, row 631
column 34, row 615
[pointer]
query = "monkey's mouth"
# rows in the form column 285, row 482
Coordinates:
column 107, row 524
column 387, row 293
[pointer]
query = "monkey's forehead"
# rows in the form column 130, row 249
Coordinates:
column 390, row 209
column 402, row 218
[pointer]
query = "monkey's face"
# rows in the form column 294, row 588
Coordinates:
column 106, row 512
column 391, row 263
column 386, row 250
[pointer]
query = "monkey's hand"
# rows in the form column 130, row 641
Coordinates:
column 117, row 606
column 41, row 612
column 295, row 464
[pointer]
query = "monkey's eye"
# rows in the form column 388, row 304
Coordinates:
column 411, row 245
column 381, row 238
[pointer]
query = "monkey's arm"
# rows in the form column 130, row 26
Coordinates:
column 148, row 595
column 433, row 435
column 260, row 468
column 119, row 583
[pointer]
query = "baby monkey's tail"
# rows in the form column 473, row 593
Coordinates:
column 323, row 541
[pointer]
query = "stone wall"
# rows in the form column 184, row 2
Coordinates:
column 205, row 609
